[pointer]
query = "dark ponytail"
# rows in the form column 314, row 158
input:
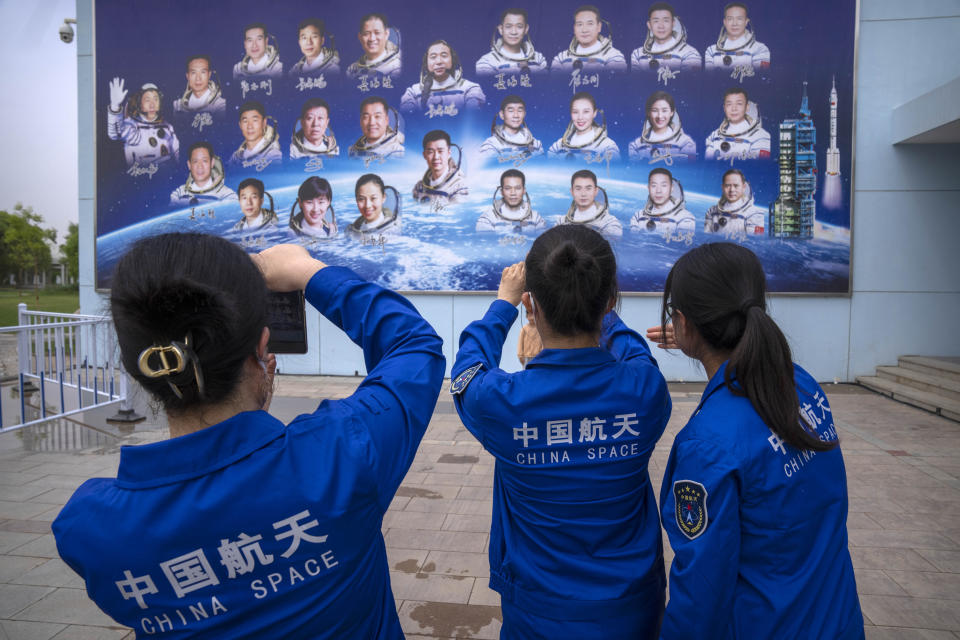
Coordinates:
column 203, row 295
column 720, row 288
column 572, row 276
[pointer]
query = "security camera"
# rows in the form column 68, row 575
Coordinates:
column 66, row 31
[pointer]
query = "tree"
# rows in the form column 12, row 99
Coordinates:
column 23, row 243
column 71, row 250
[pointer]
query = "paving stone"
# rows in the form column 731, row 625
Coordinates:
column 903, row 559
column 76, row 632
column 41, row 547
column 463, row 522
column 431, row 587
column 15, row 598
column 440, row 540
column 68, row 606
column 920, row 613
column 893, row 633
column 927, row 584
column 458, row 563
column 878, row 583
column 413, row 520
column 52, row 573
column 16, row 630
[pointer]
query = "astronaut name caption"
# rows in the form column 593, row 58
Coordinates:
column 373, row 241
column 503, row 82
column 203, row 213
column 370, row 159
column 239, row 555
column 599, row 157
column 202, row 120
column 369, row 82
column 251, row 87
column 678, row 236
column 516, row 159
column 439, row 110
column 257, row 163
column 311, row 83
column 578, row 79
column 658, row 155
column 742, row 71
column 315, row 163
column 505, row 241
column 665, row 74
column 137, row 170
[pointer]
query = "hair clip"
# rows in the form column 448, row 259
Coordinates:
column 182, row 353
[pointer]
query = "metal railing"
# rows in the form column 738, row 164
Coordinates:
column 67, row 363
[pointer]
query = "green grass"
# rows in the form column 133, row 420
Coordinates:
column 57, row 300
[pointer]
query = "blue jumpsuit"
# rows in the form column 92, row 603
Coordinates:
column 575, row 542
column 255, row 529
column 759, row 528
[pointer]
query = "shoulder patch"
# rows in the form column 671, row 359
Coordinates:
column 691, row 507
column 458, row 385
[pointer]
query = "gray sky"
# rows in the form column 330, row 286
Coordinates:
column 39, row 109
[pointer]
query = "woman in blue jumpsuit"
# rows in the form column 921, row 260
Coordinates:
column 575, row 543
column 240, row 526
column 754, row 497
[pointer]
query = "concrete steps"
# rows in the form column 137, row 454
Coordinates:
column 932, row 384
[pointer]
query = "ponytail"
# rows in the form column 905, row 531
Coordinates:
column 720, row 288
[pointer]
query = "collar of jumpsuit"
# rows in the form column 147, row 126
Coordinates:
column 585, row 356
column 198, row 453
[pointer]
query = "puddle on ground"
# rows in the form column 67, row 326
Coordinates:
column 448, row 620
column 455, row 459
column 414, row 492
column 407, row 566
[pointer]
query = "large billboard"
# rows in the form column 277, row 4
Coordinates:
column 426, row 146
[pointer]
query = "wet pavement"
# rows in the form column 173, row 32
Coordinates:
column 903, row 468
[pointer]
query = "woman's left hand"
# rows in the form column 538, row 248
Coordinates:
column 512, row 282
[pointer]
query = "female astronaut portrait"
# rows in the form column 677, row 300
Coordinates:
column 584, row 137
column 442, row 85
column 147, row 138
column 379, row 207
column 312, row 213
column 662, row 137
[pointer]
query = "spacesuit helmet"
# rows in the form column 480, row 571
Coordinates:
column 572, row 127
column 736, row 24
column 324, row 45
column 584, row 194
column 313, row 190
column 662, row 186
column 379, row 122
column 264, row 44
column 370, row 205
column 136, row 107
column 200, row 77
column 436, row 62
column 589, row 27
column 313, row 125
column 657, row 24
column 514, row 30
column 660, row 111
column 512, row 192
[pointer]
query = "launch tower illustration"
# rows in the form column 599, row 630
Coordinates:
column 832, row 187
column 793, row 212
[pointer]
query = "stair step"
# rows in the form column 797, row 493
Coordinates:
column 943, row 385
column 932, row 366
column 909, row 395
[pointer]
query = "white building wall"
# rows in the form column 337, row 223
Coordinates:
column 906, row 231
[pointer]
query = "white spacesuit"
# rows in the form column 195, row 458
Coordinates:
column 744, row 51
column 506, row 145
column 499, row 60
column 736, row 219
column 601, row 56
column 388, row 146
column 265, row 219
column 672, row 144
column 387, row 63
column 266, row 150
column 269, row 65
column 675, row 53
column 387, row 224
column 744, row 140
column 451, row 187
column 144, row 141
column 597, row 216
column 300, row 147
column 502, row 218
column 670, row 219
column 455, row 91
column 192, row 194
column 593, row 143
column 327, row 62
column 210, row 101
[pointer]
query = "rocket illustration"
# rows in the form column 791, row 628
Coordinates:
column 833, row 154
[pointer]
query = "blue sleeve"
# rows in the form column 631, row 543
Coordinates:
column 623, row 343
column 706, row 546
column 405, row 367
column 481, row 344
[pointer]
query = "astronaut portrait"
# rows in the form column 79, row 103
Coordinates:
column 205, row 182
column 312, row 135
column 512, row 212
column 319, row 53
column 379, row 137
column 379, row 207
column 665, row 212
column 590, row 50
column 511, row 50
column 741, row 135
column 510, row 139
column 443, row 182
column 261, row 59
column 147, row 138
column 442, row 89
column 312, row 212
column 735, row 216
column 203, row 93
column 261, row 142
column 584, row 137
column 256, row 217
column 381, row 48
column 665, row 44
column 737, row 45
column 590, row 206
column 662, row 138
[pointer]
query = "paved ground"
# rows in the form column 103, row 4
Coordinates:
column 903, row 468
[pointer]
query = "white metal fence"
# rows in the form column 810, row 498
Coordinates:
column 67, row 363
